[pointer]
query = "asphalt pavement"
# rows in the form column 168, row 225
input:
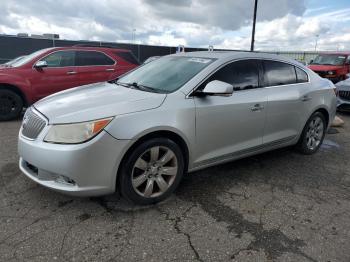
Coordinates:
column 277, row 206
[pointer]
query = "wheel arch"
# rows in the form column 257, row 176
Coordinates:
column 177, row 138
column 15, row 89
column 324, row 112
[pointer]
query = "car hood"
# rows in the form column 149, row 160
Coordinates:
column 96, row 101
column 324, row 67
column 343, row 85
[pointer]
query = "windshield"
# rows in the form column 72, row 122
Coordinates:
column 9, row 63
column 166, row 74
column 28, row 58
column 329, row 60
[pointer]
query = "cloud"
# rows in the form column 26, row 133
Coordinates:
column 282, row 24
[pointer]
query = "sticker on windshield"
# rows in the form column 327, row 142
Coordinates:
column 341, row 57
column 199, row 60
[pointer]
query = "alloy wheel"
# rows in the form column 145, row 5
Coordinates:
column 314, row 133
column 154, row 171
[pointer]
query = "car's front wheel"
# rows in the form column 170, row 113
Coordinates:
column 11, row 105
column 152, row 171
column 313, row 134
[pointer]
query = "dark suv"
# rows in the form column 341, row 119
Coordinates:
column 51, row 70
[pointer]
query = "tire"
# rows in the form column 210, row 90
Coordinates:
column 11, row 105
column 144, row 171
column 313, row 134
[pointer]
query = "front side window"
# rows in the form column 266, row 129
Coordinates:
column 329, row 60
column 166, row 74
column 278, row 73
column 92, row 58
column 60, row 59
column 241, row 74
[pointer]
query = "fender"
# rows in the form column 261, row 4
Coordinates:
column 16, row 81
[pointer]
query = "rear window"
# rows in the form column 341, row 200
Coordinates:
column 91, row 58
column 301, row 75
column 128, row 57
column 278, row 73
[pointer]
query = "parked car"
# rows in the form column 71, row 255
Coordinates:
column 334, row 66
column 50, row 70
column 343, row 91
column 178, row 114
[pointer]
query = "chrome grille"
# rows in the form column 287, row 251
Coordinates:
column 344, row 95
column 32, row 124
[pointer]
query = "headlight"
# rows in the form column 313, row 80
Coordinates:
column 75, row 133
column 330, row 72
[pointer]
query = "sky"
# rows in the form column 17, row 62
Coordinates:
column 281, row 24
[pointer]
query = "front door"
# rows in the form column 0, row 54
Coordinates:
column 60, row 74
column 229, row 126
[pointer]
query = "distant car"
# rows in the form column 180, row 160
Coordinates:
column 28, row 79
column 334, row 66
column 177, row 114
column 150, row 59
column 343, row 95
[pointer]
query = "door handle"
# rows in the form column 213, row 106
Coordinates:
column 71, row 73
column 257, row 107
column 305, row 98
column 110, row 69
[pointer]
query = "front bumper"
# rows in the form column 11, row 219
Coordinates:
column 343, row 105
column 87, row 169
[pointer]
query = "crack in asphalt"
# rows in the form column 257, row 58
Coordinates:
column 273, row 242
column 176, row 222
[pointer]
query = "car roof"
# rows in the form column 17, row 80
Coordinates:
column 231, row 55
column 90, row 48
column 334, row 53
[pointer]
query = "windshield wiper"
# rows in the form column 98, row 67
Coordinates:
column 135, row 85
column 143, row 87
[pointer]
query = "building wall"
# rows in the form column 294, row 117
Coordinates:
column 13, row 46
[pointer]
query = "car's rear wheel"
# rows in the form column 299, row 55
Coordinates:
column 11, row 105
column 152, row 171
column 313, row 134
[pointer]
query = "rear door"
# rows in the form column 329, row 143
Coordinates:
column 94, row 66
column 60, row 74
column 231, row 125
column 288, row 98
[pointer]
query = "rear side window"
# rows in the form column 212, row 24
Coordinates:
column 128, row 57
column 92, row 58
column 278, row 73
column 241, row 74
column 301, row 75
column 60, row 59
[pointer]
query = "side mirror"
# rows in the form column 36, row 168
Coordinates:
column 218, row 88
column 40, row 64
column 311, row 61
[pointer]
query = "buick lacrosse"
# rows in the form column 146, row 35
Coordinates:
column 142, row 132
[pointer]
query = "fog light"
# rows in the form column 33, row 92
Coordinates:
column 65, row 180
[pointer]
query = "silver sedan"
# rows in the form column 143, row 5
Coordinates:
column 141, row 133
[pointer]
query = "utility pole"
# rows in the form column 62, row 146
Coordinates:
column 254, row 22
column 316, row 42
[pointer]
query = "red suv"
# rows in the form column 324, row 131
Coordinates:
column 47, row 71
column 334, row 66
